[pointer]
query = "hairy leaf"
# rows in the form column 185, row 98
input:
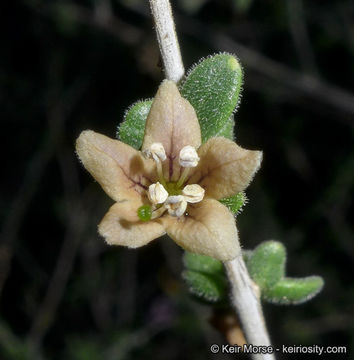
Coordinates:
column 213, row 87
column 131, row 131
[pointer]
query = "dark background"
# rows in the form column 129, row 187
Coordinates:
column 66, row 66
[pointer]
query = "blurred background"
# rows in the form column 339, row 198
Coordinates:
column 66, row 66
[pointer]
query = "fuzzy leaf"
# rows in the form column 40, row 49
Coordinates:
column 213, row 88
column 293, row 291
column 131, row 130
column 211, row 288
column 205, row 277
column 267, row 264
column 235, row 203
column 202, row 263
column 227, row 131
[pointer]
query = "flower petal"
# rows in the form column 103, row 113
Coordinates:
column 224, row 168
column 121, row 170
column 173, row 122
column 208, row 229
column 121, row 226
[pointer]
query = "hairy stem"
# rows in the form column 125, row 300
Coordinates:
column 167, row 39
column 244, row 293
column 245, row 298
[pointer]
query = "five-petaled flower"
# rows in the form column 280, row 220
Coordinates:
column 175, row 179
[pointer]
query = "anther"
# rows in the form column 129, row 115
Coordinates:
column 157, row 194
column 157, row 152
column 188, row 157
column 176, row 205
column 193, row 193
column 158, row 212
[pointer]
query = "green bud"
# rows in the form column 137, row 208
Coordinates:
column 235, row 203
column 144, row 213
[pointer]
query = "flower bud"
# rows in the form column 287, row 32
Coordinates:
column 188, row 157
column 157, row 194
column 193, row 193
column 176, row 205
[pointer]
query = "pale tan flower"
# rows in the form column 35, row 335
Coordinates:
column 183, row 199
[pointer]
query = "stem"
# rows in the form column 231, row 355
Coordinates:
column 167, row 39
column 245, row 298
column 244, row 293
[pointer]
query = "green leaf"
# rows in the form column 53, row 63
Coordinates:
column 131, row 130
column 202, row 263
column 205, row 277
column 267, row 264
column 211, row 288
column 227, row 131
column 294, row 291
column 235, row 203
column 213, row 87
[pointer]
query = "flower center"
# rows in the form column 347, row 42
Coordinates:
column 172, row 197
column 173, row 189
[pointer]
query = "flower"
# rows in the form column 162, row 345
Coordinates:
column 173, row 185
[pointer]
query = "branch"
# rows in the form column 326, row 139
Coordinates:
column 167, row 39
column 245, row 298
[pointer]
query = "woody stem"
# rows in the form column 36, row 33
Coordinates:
column 167, row 39
column 244, row 293
column 245, row 298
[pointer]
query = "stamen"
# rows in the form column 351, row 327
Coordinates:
column 183, row 177
column 157, row 194
column 157, row 152
column 193, row 193
column 160, row 173
column 158, row 212
column 188, row 157
column 176, row 205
